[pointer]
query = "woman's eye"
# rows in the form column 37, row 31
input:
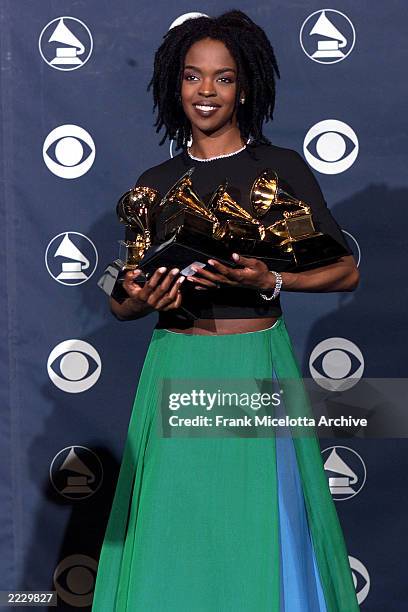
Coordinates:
column 190, row 77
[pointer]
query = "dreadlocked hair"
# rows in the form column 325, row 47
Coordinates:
column 256, row 69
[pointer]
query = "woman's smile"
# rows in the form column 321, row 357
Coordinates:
column 205, row 109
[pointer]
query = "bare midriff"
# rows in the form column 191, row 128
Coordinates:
column 225, row 326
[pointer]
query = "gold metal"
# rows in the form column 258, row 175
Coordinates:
column 183, row 194
column 266, row 194
column 135, row 209
column 222, row 202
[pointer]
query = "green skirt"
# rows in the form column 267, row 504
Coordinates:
column 221, row 523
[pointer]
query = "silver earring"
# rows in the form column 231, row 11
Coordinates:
column 242, row 100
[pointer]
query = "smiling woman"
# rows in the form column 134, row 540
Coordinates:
column 238, row 521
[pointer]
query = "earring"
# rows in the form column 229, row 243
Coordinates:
column 242, row 100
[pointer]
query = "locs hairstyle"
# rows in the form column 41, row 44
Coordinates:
column 256, row 67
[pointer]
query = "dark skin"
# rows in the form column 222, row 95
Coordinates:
column 210, row 75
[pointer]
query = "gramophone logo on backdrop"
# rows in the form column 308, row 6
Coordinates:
column 336, row 364
column 74, row 366
column 64, row 151
column 65, row 43
column 71, row 258
column 330, row 146
column 327, row 36
column 345, row 470
column 76, row 472
column 74, row 580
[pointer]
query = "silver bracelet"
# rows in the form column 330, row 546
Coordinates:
column 276, row 291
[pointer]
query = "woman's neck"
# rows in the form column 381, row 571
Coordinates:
column 211, row 146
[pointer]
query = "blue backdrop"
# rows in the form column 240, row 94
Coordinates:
column 77, row 130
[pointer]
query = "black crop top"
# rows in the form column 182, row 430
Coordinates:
column 240, row 170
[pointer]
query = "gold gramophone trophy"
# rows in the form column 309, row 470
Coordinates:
column 135, row 209
column 187, row 231
column 292, row 240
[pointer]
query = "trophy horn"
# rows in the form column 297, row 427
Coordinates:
column 183, row 194
column 222, row 202
column 267, row 194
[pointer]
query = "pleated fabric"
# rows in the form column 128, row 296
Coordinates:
column 221, row 524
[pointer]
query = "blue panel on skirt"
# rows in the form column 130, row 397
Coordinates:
column 300, row 588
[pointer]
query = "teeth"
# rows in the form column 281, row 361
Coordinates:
column 204, row 107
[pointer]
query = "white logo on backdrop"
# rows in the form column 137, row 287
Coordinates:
column 357, row 247
column 71, row 258
column 76, row 472
column 336, row 364
column 78, row 583
column 359, row 570
column 333, row 146
column 345, row 470
column 184, row 17
column 69, row 151
column 76, row 371
column 327, row 36
column 65, row 43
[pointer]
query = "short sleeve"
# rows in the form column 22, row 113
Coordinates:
column 305, row 187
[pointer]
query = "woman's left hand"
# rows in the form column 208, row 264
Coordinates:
column 254, row 275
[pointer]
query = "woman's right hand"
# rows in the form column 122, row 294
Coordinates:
column 160, row 292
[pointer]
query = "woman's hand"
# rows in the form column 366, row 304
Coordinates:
column 254, row 275
column 160, row 292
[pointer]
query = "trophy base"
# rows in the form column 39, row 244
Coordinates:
column 181, row 250
column 111, row 283
column 316, row 251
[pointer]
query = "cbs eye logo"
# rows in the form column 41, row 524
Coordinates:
column 69, row 151
column 74, row 580
column 74, row 366
column 336, row 364
column 184, row 18
column 330, row 146
column 361, row 579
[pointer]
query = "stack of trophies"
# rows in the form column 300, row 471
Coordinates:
column 180, row 229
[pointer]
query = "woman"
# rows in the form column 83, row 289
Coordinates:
column 233, row 522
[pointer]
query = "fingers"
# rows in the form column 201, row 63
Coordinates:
column 171, row 298
column 158, row 285
column 131, row 288
column 203, row 273
column 175, row 304
column 248, row 262
column 231, row 274
column 204, row 283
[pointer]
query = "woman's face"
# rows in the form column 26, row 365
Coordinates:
column 208, row 89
